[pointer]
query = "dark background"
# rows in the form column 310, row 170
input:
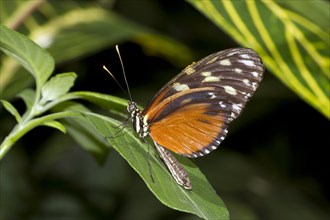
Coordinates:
column 272, row 165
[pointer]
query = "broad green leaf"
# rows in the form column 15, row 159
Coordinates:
column 31, row 56
column 11, row 109
column 57, row 86
column 293, row 42
column 28, row 96
column 55, row 124
column 202, row 200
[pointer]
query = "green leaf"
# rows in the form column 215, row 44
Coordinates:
column 31, row 56
column 28, row 96
column 11, row 109
column 57, row 86
column 202, row 200
column 55, row 124
column 293, row 42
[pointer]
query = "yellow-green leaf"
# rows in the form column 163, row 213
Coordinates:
column 11, row 109
column 55, row 124
column 292, row 43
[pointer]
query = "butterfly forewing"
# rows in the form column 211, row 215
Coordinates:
column 191, row 113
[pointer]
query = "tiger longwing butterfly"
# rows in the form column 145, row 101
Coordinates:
column 190, row 114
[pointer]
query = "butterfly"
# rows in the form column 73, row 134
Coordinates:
column 191, row 113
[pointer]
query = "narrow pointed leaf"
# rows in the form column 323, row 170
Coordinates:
column 11, row 109
column 55, row 124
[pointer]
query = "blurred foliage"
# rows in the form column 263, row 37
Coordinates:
column 293, row 43
column 271, row 166
column 74, row 29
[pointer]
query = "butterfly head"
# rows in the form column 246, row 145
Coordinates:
column 132, row 108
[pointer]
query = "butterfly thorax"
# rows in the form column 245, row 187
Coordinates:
column 140, row 125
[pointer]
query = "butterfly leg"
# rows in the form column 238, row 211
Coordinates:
column 121, row 127
column 149, row 164
column 123, row 124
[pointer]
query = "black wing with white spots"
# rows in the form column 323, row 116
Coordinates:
column 216, row 88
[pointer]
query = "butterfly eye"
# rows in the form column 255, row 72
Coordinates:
column 131, row 107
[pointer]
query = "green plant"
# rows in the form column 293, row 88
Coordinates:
column 54, row 93
column 292, row 42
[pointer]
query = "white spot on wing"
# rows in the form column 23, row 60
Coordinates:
column 245, row 56
column 225, row 62
column 230, row 90
column 213, row 147
column 206, row 151
column 206, row 73
column 246, row 82
column 238, row 70
column 222, row 105
column 211, row 79
column 247, row 62
column 237, row 108
column 255, row 74
column 212, row 95
column 180, row 87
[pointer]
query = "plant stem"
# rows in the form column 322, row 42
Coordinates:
column 22, row 13
column 21, row 129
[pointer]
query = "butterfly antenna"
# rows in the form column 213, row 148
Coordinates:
column 127, row 92
column 106, row 69
column 122, row 66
